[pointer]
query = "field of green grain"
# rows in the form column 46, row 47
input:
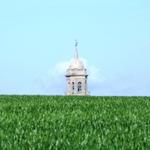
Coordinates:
column 57, row 122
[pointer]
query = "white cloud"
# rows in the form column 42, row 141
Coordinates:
column 54, row 81
column 61, row 67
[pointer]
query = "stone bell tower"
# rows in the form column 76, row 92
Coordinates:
column 76, row 76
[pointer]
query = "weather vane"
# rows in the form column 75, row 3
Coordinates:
column 76, row 43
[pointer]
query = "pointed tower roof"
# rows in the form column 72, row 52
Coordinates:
column 76, row 62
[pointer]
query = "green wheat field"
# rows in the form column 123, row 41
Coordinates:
column 59, row 122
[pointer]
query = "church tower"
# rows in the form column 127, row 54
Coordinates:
column 76, row 76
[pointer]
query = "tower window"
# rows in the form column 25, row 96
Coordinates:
column 79, row 86
column 73, row 87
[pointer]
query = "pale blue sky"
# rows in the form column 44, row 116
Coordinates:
column 37, row 41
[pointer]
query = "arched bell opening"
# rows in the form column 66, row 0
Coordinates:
column 79, row 87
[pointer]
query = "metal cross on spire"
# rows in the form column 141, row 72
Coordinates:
column 76, row 49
